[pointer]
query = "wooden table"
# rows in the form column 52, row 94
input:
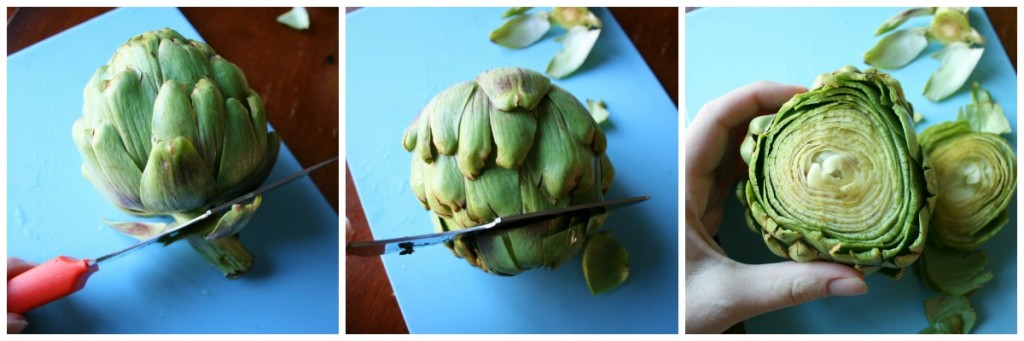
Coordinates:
column 370, row 302
column 296, row 73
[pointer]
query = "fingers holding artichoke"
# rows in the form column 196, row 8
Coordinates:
column 837, row 175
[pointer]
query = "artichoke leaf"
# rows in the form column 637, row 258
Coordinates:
column 230, row 78
column 210, row 120
column 130, row 107
column 122, row 179
column 176, row 179
column 173, row 115
column 949, row 314
column 182, row 62
column 235, row 219
column 475, row 139
column 515, row 135
column 897, row 49
column 983, row 114
column 950, row 25
column 514, row 11
column 137, row 229
column 958, row 62
column 605, row 263
column 241, row 153
column 598, row 110
column 522, row 30
column 953, row 272
column 569, row 17
column 576, row 45
column 296, row 18
column 898, row 19
column 510, row 88
column 445, row 114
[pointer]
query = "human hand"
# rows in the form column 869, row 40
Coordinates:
column 721, row 292
column 15, row 322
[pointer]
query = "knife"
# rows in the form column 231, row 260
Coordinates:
column 64, row 275
column 405, row 245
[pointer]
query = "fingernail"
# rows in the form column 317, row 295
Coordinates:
column 847, row 287
column 16, row 324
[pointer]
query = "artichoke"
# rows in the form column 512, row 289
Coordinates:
column 838, row 175
column 976, row 171
column 170, row 128
column 510, row 143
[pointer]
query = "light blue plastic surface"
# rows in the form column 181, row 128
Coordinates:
column 397, row 59
column 53, row 210
column 730, row 47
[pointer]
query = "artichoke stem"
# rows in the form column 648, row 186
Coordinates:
column 227, row 254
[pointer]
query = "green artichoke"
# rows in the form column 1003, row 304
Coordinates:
column 976, row 170
column 510, row 143
column 837, row 175
column 170, row 128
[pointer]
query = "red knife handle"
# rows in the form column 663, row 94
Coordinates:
column 46, row 283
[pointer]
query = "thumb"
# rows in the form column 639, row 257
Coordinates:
column 768, row 287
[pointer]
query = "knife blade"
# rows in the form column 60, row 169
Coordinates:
column 63, row 275
column 406, row 245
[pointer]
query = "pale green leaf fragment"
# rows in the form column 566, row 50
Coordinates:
column 949, row 314
column 514, row 11
column 983, row 114
column 897, row 49
column 576, row 45
column 918, row 117
column 569, row 17
column 958, row 62
column 902, row 17
column 605, row 263
column 521, row 31
column 598, row 110
column 297, row 18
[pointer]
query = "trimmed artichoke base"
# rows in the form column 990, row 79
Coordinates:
column 837, row 175
column 977, row 174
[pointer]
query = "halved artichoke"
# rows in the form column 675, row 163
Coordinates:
column 976, row 171
column 837, row 175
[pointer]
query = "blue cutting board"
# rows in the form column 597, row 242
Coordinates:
column 397, row 59
column 730, row 47
column 53, row 210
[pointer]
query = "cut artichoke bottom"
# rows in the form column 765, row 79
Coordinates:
column 837, row 175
